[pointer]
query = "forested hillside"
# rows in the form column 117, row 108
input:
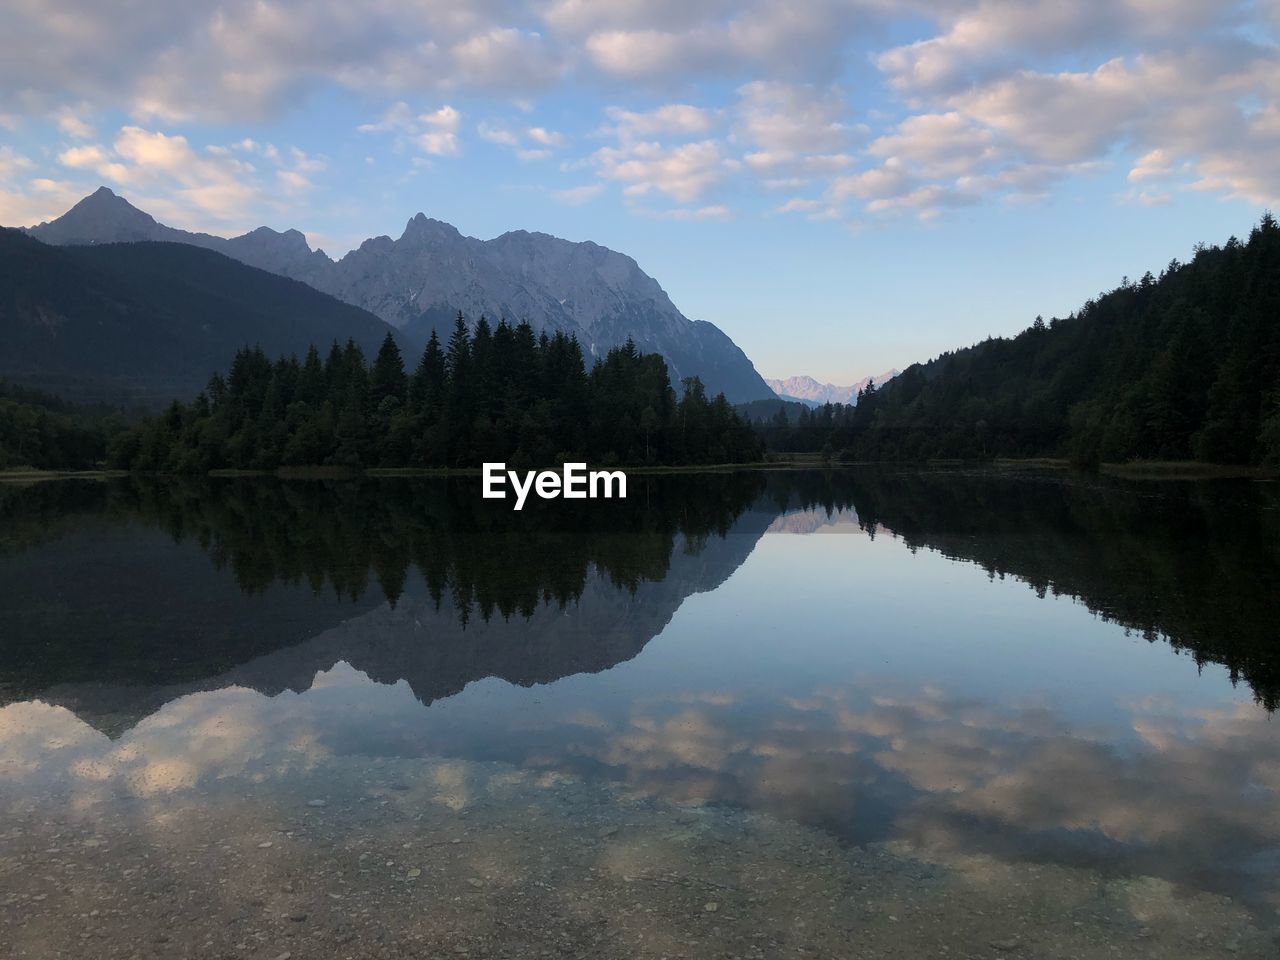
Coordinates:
column 37, row 430
column 1184, row 365
column 128, row 323
column 498, row 394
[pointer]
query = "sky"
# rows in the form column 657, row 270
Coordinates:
column 843, row 186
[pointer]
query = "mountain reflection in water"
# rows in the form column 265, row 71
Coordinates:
column 702, row 639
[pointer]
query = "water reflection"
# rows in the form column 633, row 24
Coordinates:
column 857, row 682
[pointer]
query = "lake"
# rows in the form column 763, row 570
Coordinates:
column 866, row 712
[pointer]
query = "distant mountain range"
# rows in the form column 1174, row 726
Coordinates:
column 419, row 282
column 810, row 392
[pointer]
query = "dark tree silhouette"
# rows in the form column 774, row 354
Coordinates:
column 499, row 393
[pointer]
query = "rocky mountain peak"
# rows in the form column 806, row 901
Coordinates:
column 423, row 228
column 101, row 217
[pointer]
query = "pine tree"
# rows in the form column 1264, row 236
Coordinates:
column 427, row 388
column 388, row 379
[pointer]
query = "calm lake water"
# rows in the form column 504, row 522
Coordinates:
column 846, row 713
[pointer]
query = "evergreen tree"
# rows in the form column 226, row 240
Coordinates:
column 495, row 394
column 388, row 379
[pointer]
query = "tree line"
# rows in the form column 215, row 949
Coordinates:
column 41, row 431
column 493, row 394
column 1180, row 366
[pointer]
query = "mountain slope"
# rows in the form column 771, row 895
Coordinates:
column 151, row 321
column 421, row 280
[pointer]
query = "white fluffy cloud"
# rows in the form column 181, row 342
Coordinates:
column 1195, row 109
column 993, row 100
column 527, row 143
column 223, row 187
column 26, row 199
column 439, row 133
column 1173, row 85
column 236, row 59
column 434, row 132
column 654, row 41
column 978, row 39
column 793, row 129
column 678, row 119
column 793, row 118
column 71, row 121
column 684, row 173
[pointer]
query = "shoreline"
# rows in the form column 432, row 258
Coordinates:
column 1136, row 470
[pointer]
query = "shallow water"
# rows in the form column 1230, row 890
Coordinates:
column 853, row 713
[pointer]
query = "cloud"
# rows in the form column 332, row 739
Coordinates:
column 531, row 143
column 35, row 200
column 440, row 136
column 1147, row 197
column 982, row 124
column 989, row 101
column 215, row 187
column 990, row 37
column 1187, row 108
column 12, row 163
column 26, row 200
column 71, row 121
column 793, row 130
column 793, row 118
column 684, row 173
column 1152, row 165
column 800, row 205
column 678, row 119
column 667, row 42
column 244, row 59
column 499, row 135
column 548, row 138
column 434, row 133
column 888, row 180
column 396, row 118
column 1195, row 102
column 504, row 59
column 710, row 212
column 227, row 60
column 576, row 196
column 938, row 145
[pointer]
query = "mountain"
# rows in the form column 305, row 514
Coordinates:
column 151, row 321
column 810, row 392
column 420, row 281
column 104, row 217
